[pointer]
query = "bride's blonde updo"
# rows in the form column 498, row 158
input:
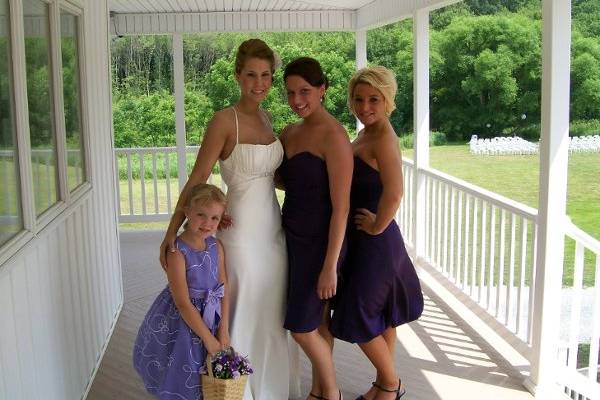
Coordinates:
column 255, row 48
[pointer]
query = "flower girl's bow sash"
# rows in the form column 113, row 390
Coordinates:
column 212, row 302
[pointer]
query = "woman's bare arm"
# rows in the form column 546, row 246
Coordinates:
column 210, row 150
column 338, row 156
column 389, row 162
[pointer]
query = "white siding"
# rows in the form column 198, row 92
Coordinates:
column 61, row 293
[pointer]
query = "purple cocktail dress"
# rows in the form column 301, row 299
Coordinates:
column 380, row 288
column 167, row 354
column 306, row 214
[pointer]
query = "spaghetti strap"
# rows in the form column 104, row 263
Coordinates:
column 237, row 128
column 267, row 117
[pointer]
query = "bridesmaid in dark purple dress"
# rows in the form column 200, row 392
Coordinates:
column 316, row 173
column 380, row 289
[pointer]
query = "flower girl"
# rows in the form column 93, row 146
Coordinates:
column 189, row 317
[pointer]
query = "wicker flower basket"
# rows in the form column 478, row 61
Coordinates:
column 222, row 389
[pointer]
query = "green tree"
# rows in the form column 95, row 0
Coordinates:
column 490, row 75
column 585, row 78
column 586, row 17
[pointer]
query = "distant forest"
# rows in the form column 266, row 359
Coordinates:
column 485, row 74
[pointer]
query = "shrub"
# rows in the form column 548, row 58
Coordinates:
column 584, row 128
column 435, row 139
column 406, row 141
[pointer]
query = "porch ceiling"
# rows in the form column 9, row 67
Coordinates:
column 168, row 16
column 198, row 6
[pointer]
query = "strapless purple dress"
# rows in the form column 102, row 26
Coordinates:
column 306, row 214
column 380, row 287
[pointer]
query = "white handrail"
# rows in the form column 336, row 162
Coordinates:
column 479, row 192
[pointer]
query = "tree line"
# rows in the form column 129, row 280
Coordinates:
column 485, row 74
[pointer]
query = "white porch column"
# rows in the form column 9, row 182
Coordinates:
column 554, row 145
column 360, row 37
column 421, row 125
column 178, row 89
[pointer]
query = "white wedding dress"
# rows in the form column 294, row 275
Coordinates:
column 256, row 264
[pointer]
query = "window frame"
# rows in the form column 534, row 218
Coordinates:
column 33, row 225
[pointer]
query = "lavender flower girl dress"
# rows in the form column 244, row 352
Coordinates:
column 167, row 354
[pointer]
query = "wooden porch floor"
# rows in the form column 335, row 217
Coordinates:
column 439, row 356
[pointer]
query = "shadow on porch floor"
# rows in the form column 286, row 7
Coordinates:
column 439, row 356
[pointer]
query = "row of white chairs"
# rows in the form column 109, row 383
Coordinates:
column 502, row 145
column 584, row 144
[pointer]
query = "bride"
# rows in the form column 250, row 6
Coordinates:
column 241, row 138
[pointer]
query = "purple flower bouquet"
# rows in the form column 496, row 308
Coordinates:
column 228, row 364
column 227, row 373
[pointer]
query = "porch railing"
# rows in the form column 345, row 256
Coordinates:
column 147, row 184
column 580, row 340
column 485, row 244
column 481, row 242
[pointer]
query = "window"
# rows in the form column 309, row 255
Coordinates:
column 42, row 135
column 40, row 100
column 72, row 99
column 11, row 221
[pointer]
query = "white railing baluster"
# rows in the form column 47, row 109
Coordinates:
column 474, row 250
column 575, row 311
column 510, row 303
column 118, row 185
column 520, row 293
column 130, row 183
column 155, row 182
column 451, row 249
column 444, row 260
column 501, row 262
column 459, row 244
column 466, row 252
column 484, row 207
column 534, row 232
column 168, row 181
column 142, row 182
column 491, row 259
column 438, row 252
column 428, row 218
column 409, row 205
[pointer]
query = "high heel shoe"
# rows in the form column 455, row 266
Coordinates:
column 401, row 391
column 339, row 398
column 315, row 396
column 362, row 396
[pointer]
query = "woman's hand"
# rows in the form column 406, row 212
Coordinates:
column 226, row 221
column 223, row 337
column 167, row 245
column 213, row 345
column 327, row 284
column 365, row 221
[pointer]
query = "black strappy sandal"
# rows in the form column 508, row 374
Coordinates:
column 362, row 396
column 339, row 398
column 401, row 391
column 315, row 396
